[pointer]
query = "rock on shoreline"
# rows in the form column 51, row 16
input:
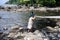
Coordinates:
column 16, row 34
column 43, row 9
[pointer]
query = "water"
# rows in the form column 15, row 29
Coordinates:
column 9, row 19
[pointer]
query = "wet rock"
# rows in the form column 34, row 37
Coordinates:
column 58, row 23
column 17, row 35
column 11, row 35
column 0, row 17
column 52, row 29
column 9, row 7
column 2, row 8
column 59, row 35
column 36, row 32
column 15, row 27
column 37, row 35
column 14, row 31
column 21, row 29
column 32, row 37
column 1, row 33
column 24, row 34
column 5, row 28
column 56, row 27
column 3, row 36
column 29, row 36
column 20, row 37
column 59, row 29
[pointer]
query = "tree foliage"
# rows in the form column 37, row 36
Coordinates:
column 49, row 2
column 41, row 2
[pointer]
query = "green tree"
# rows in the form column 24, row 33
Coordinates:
column 41, row 2
column 49, row 2
column 57, row 2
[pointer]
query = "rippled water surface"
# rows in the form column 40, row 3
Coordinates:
column 10, row 19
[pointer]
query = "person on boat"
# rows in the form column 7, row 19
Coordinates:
column 30, row 22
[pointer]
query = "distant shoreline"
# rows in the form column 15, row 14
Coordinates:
column 42, row 9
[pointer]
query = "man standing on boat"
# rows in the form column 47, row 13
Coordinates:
column 30, row 22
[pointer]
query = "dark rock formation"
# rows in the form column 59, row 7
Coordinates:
column 43, row 23
column 0, row 17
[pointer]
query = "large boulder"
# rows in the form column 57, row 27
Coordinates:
column 15, row 27
column 11, row 35
column 37, row 35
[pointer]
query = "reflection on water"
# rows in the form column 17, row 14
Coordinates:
column 12, row 18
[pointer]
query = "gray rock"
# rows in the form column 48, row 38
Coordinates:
column 15, row 27
column 36, row 32
column 11, row 35
column 59, row 35
column 58, row 23
column 59, row 29
column 29, row 37
column 37, row 35
column 52, row 29
column 5, row 28
column 17, row 35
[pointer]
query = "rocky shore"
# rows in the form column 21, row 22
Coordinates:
column 18, row 32
column 25, row 8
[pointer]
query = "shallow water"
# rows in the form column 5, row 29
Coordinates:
column 9, row 19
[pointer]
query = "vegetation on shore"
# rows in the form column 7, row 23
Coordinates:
column 48, row 3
